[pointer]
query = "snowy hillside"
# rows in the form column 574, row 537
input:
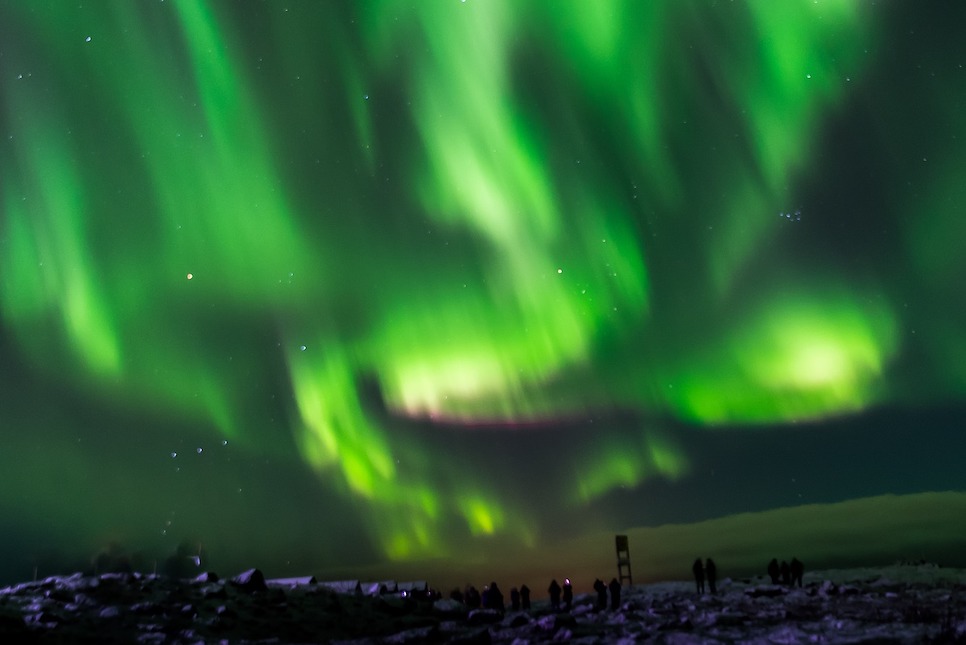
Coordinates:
column 903, row 604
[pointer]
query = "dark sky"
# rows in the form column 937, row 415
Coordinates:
column 350, row 287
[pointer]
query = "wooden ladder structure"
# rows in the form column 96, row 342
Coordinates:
column 623, row 560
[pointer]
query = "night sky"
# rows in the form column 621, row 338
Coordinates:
column 388, row 288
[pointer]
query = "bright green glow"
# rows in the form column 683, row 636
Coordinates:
column 460, row 355
column 470, row 204
column 482, row 516
column 805, row 358
column 619, row 464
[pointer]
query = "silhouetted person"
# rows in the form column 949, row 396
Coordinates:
column 698, row 571
column 773, row 571
column 514, row 599
column 615, row 594
column 711, row 572
column 601, row 590
column 180, row 565
column 797, row 571
column 554, row 591
column 472, row 597
column 568, row 594
column 494, row 598
column 525, row 598
column 456, row 595
column 786, row 574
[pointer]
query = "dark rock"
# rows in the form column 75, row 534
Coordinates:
column 109, row 612
column 449, row 607
column 215, row 593
column 731, row 620
column 250, row 581
column 118, row 578
column 10, row 623
column 417, row 635
column 484, row 617
column 83, row 600
column 226, row 612
column 546, row 622
column 554, row 622
column 481, row 637
column 147, row 608
column 393, row 605
column 518, row 620
column 209, row 576
column 564, row 620
column 766, row 592
column 59, row 594
column 275, row 596
column 40, row 618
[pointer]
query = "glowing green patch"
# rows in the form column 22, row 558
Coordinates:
column 810, row 357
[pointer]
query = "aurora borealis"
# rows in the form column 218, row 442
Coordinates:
column 368, row 284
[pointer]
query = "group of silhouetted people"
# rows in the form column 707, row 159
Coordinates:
column 561, row 596
column 615, row 594
column 491, row 597
column 786, row 574
column 702, row 572
column 520, row 598
column 566, row 594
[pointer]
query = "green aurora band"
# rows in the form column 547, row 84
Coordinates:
column 497, row 213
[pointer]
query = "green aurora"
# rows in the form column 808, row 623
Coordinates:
column 466, row 267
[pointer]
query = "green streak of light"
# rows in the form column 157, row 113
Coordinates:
column 336, row 427
column 616, row 463
column 482, row 516
column 483, row 168
column 49, row 268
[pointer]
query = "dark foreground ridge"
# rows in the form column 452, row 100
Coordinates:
column 900, row 604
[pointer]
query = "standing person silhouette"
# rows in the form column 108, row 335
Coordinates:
column 568, row 594
column 494, row 598
column 797, row 570
column 615, row 594
column 774, row 571
column 525, row 598
column 698, row 571
column 554, row 591
column 601, row 590
column 711, row 572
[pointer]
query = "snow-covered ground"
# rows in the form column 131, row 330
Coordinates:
column 904, row 604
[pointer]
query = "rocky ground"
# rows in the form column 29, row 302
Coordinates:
column 833, row 607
